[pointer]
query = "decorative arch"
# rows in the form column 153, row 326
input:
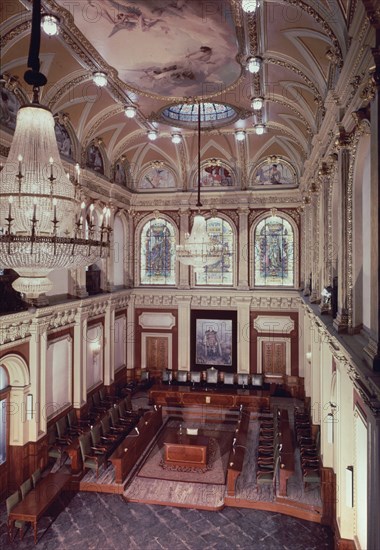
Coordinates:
column 17, row 369
column 275, row 251
column 95, row 158
column 155, row 176
column 222, row 231
column 155, row 241
column 215, row 173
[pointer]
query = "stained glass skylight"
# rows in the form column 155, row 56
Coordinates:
column 210, row 113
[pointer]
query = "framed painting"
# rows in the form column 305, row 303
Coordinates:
column 214, row 340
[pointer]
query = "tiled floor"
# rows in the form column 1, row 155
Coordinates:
column 106, row 522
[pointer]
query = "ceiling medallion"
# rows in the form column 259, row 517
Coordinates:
column 212, row 114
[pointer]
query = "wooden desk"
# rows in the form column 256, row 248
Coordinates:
column 38, row 501
column 186, row 450
column 125, row 457
column 287, row 452
column 172, row 395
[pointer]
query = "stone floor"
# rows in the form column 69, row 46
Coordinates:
column 89, row 521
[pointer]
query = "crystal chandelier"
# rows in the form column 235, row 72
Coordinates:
column 200, row 250
column 43, row 225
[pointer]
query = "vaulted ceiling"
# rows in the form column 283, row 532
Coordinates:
column 160, row 52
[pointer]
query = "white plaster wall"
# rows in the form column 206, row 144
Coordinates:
column 120, row 333
column 58, row 376
column 94, row 364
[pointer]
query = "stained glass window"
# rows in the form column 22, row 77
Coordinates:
column 274, row 253
column 157, row 259
column 220, row 273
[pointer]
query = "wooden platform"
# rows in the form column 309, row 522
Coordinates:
column 188, row 396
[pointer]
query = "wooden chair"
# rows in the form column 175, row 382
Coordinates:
column 116, row 423
column 98, row 441
column 11, row 502
column 64, row 435
column 107, row 430
column 76, row 424
column 56, row 448
column 36, row 476
column 92, row 458
column 97, row 405
column 26, row 487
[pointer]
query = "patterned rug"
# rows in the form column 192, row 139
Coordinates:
column 215, row 473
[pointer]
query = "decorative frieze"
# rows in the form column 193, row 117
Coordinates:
column 13, row 330
column 211, row 301
column 155, row 300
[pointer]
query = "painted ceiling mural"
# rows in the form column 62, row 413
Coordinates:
column 165, row 47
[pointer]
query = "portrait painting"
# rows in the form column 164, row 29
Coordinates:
column 216, row 175
column 94, row 159
column 214, row 337
column 63, row 140
column 9, row 105
column 157, row 178
column 183, row 54
column 274, row 173
column 120, row 175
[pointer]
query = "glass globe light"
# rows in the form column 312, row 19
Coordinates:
column 50, row 25
column 176, row 138
column 257, row 103
column 259, row 129
column 100, row 79
column 152, row 135
column 254, row 64
column 249, row 6
column 240, row 135
column 130, row 111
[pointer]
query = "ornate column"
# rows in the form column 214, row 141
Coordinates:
column 130, row 249
column 243, row 333
column 131, row 333
column 315, row 206
column 184, row 308
column 37, row 365
column 80, row 358
column 243, row 249
column 373, row 537
column 342, row 143
column 307, row 245
column 372, row 350
column 110, row 261
column 109, row 345
column 326, row 237
column 184, row 270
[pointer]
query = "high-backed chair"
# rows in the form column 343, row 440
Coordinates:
column 63, row 431
column 116, row 421
column 106, row 400
column 26, row 487
column 167, row 376
column 97, row 405
column 56, row 448
column 243, row 379
column 182, row 376
column 195, row 377
column 212, row 376
column 11, row 502
column 75, row 424
column 229, row 378
column 107, row 430
column 98, row 441
column 36, row 476
column 257, row 380
column 92, row 458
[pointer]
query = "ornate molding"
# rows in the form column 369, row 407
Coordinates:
column 13, row 330
column 155, row 300
column 62, row 318
column 275, row 302
column 212, row 301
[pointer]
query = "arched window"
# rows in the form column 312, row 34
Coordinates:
column 221, row 273
column 3, row 414
column 274, row 252
column 157, row 253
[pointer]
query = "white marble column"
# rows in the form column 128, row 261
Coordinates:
column 243, row 333
column 79, row 283
column 110, row 261
column 243, row 255
column 341, row 320
column 109, row 345
column 184, row 308
column 131, row 333
column 130, row 252
column 37, row 363
column 80, row 359
column 373, row 537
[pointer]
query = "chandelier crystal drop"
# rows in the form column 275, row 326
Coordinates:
column 199, row 250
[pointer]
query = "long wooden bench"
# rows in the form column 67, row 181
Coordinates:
column 131, row 448
column 237, row 454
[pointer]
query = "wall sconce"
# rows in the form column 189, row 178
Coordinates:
column 308, row 356
column 330, row 428
column 96, row 347
column 350, row 486
column 29, row 406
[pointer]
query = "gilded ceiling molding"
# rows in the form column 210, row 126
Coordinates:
column 181, row 152
column 15, row 32
column 373, row 12
column 319, row 19
column 66, row 88
column 299, row 72
column 91, row 134
column 242, row 163
column 252, row 33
